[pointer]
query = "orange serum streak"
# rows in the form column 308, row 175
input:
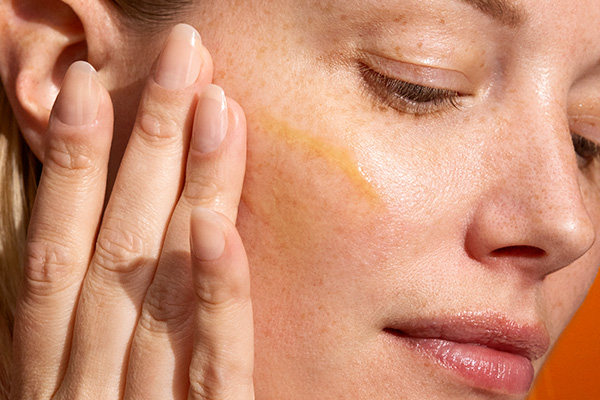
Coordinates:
column 317, row 148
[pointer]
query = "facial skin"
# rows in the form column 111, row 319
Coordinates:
column 360, row 217
column 364, row 215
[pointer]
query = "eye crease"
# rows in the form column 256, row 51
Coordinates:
column 411, row 98
column 408, row 97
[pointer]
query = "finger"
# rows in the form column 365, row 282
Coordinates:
column 214, row 177
column 62, row 230
column 223, row 358
column 215, row 173
column 134, row 224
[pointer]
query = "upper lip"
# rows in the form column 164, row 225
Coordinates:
column 489, row 329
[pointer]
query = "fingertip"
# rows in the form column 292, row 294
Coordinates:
column 211, row 120
column 83, row 109
column 79, row 98
column 237, row 115
column 180, row 61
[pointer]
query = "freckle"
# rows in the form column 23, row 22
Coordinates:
column 325, row 7
column 420, row 44
column 400, row 20
column 219, row 74
column 443, row 21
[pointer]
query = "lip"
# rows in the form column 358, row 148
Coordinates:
column 485, row 350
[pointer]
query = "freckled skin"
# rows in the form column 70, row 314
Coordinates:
column 336, row 251
column 355, row 215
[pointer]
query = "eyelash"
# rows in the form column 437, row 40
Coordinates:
column 416, row 99
column 408, row 97
column 585, row 150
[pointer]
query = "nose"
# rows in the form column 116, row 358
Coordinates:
column 530, row 213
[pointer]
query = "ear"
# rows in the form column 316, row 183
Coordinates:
column 40, row 40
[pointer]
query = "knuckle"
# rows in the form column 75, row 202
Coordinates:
column 166, row 309
column 158, row 131
column 202, row 189
column 218, row 379
column 119, row 250
column 215, row 300
column 49, row 266
column 69, row 158
column 203, row 390
column 221, row 296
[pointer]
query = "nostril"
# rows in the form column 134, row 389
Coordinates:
column 519, row 251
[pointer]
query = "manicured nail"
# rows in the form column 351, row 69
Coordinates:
column 79, row 97
column 180, row 62
column 211, row 120
column 207, row 236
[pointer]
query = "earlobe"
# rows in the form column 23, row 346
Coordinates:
column 41, row 39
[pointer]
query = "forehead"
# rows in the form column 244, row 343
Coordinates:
column 562, row 27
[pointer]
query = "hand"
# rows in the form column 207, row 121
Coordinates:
column 114, row 304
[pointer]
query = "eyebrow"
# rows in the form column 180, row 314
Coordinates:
column 499, row 10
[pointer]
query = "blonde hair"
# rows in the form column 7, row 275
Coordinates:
column 18, row 182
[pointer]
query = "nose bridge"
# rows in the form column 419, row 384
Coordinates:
column 533, row 199
column 536, row 155
column 542, row 163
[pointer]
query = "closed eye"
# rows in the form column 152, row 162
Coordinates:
column 408, row 97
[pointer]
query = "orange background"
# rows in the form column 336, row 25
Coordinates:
column 573, row 369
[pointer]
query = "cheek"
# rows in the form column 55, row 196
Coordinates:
column 312, row 227
column 319, row 237
column 565, row 290
column 306, row 206
column 322, row 235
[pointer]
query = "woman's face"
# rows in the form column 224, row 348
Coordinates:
column 410, row 242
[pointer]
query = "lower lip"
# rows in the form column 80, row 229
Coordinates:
column 479, row 366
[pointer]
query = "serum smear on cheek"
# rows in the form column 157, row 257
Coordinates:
column 310, row 196
column 315, row 147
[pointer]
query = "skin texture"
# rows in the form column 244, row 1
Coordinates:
column 455, row 186
column 358, row 216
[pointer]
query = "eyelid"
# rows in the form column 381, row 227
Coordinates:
column 587, row 126
column 422, row 74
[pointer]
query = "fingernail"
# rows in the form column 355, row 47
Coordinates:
column 79, row 97
column 211, row 119
column 207, row 236
column 180, row 61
